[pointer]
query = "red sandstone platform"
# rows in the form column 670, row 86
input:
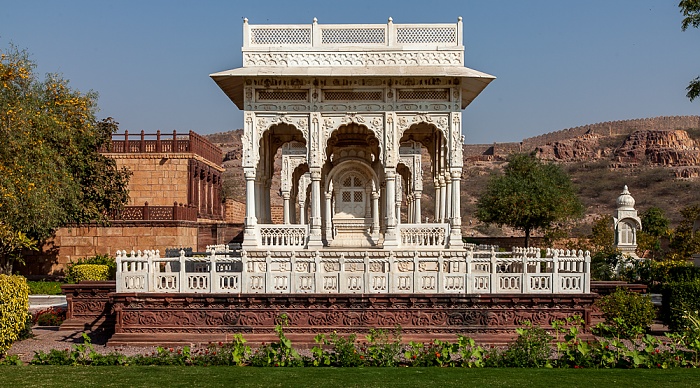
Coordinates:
column 183, row 319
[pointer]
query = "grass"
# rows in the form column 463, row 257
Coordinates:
column 53, row 376
column 44, row 288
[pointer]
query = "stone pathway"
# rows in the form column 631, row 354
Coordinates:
column 47, row 338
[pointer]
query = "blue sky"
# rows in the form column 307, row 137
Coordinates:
column 559, row 63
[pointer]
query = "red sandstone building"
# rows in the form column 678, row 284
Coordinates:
column 174, row 201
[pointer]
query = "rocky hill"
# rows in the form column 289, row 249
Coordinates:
column 658, row 158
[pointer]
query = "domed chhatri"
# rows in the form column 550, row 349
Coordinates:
column 626, row 224
column 625, row 201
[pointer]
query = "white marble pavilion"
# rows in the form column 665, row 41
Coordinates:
column 352, row 105
column 353, row 109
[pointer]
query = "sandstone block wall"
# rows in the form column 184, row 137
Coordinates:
column 72, row 243
column 158, row 179
column 234, row 211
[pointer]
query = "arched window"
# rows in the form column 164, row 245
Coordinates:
column 350, row 199
column 625, row 234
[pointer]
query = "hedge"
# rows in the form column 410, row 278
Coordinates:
column 99, row 259
column 14, row 309
column 90, row 272
column 680, row 299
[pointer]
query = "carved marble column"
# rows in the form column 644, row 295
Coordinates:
column 375, row 215
column 302, row 212
column 286, row 212
column 328, row 218
column 258, row 200
column 448, row 198
column 416, row 206
column 456, row 226
column 438, row 205
column 315, row 231
column 397, row 198
column 409, row 209
column 250, row 238
column 443, row 198
column 390, row 232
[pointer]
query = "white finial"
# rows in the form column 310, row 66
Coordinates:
column 245, row 20
column 459, row 18
column 390, row 19
column 315, row 20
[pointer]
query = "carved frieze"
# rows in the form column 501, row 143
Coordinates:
column 326, row 59
column 416, row 314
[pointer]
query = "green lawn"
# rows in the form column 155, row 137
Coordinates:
column 56, row 376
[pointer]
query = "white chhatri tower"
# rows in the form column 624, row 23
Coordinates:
column 356, row 102
column 626, row 224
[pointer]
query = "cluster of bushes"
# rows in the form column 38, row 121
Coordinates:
column 96, row 268
column 532, row 349
column 681, row 303
column 52, row 316
column 14, row 309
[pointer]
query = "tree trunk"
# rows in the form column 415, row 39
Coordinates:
column 527, row 237
column 5, row 265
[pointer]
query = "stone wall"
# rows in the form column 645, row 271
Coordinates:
column 234, row 211
column 72, row 243
column 621, row 127
column 483, row 151
column 159, row 179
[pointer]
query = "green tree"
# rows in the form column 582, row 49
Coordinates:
column 685, row 243
column 530, row 195
column 691, row 12
column 602, row 237
column 655, row 225
column 51, row 170
column 605, row 257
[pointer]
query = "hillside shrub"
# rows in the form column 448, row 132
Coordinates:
column 627, row 314
column 14, row 307
column 99, row 260
column 532, row 348
column 94, row 272
column 680, row 300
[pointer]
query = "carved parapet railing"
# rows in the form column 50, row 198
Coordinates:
column 522, row 271
column 162, row 143
column 176, row 212
column 282, row 236
column 147, row 271
column 325, row 36
column 423, row 235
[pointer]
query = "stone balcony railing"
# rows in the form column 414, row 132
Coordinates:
column 147, row 212
column 161, row 143
column 413, row 236
column 282, row 236
column 423, row 235
column 522, row 271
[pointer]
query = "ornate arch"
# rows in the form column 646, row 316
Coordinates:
column 439, row 121
column 373, row 122
column 635, row 222
column 351, row 165
column 259, row 125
